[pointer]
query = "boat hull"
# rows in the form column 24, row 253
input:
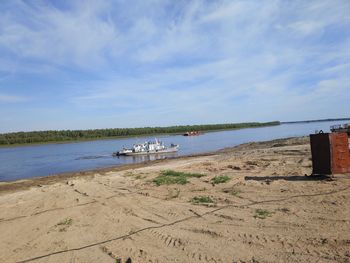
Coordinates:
column 121, row 153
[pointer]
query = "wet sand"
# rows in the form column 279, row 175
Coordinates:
column 268, row 211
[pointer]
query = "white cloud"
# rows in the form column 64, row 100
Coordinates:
column 48, row 34
column 306, row 27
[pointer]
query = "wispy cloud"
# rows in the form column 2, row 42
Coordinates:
column 62, row 37
column 183, row 61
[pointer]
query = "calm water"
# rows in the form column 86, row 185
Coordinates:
column 29, row 161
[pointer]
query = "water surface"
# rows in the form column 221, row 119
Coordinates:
column 43, row 160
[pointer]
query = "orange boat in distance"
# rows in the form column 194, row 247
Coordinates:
column 192, row 133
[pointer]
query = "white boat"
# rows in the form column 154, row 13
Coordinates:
column 155, row 147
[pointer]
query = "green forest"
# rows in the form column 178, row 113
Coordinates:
column 77, row 135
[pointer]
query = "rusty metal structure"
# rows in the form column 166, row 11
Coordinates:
column 341, row 128
column 330, row 153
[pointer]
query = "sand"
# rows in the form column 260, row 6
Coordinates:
column 268, row 211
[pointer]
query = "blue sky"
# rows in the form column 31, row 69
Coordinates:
column 103, row 64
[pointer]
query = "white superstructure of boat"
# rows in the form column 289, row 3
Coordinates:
column 150, row 147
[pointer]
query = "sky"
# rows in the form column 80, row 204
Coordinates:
column 135, row 63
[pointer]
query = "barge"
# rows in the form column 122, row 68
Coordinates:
column 192, row 133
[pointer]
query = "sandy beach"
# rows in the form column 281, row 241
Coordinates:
column 265, row 210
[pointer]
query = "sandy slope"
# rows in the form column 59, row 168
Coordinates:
column 121, row 216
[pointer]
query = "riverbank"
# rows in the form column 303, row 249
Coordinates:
column 117, row 138
column 68, row 136
column 252, row 204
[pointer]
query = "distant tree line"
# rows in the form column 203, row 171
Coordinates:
column 76, row 135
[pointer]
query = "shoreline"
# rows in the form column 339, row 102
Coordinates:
column 26, row 183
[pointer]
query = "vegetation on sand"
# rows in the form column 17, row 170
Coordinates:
column 174, row 177
column 202, row 200
column 65, row 222
column 262, row 214
column 180, row 174
column 232, row 191
column 220, row 179
column 76, row 135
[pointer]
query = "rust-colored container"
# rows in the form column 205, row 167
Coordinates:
column 330, row 153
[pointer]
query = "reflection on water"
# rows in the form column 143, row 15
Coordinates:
column 147, row 158
column 29, row 161
column 92, row 157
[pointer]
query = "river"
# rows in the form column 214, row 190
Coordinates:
column 44, row 160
